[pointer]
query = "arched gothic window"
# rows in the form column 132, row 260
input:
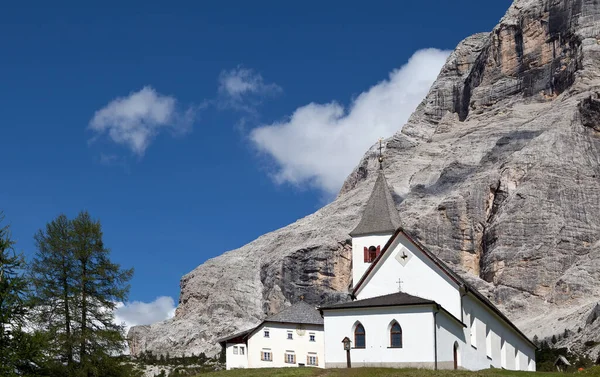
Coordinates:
column 396, row 336
column 359, row 336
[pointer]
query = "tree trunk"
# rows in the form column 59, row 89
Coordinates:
column 67, row 319
column 82, row 351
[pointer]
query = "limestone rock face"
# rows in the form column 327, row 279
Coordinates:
column 497, row 172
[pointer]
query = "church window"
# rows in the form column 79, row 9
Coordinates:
column 371, row 253
column 312, row 360
column 241, row 350
column 290, row 358
column 235, row 350
column 517, row 361
column 266, row 355
column 267, row 333
column 396, row 336
column 290, row 335
column 311, row 337
column 359, row 337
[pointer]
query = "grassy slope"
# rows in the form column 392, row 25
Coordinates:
column 364, row 372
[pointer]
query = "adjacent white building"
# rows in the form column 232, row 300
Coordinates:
column 411, row 310
column 294, row 337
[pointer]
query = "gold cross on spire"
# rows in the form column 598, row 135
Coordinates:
column 380, row 154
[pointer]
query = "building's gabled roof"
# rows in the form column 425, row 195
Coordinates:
column 562, row 360
column 462, row 283
column 380, row 214
column 241, row 334
column 394, row 299
column 301, row 313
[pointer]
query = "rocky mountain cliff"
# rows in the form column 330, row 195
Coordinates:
column 497, row 172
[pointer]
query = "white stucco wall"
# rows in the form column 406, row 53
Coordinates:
column 358, row 260
column 278, row 344
column 236, row 361
column 418, row 339
column 449, row 332
column 420, row 277
column 506, row 344
column 417, row 333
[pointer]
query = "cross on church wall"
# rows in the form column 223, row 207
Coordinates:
column 399, row 284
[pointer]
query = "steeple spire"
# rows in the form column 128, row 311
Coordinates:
column 380, row 215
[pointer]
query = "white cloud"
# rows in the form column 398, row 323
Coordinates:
column 135, row 120
column 320, row 144
column 144, row 313
column 243, row 88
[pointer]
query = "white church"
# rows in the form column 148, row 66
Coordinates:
column 408, row 310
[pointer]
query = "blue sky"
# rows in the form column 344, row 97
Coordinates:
column 192, row 128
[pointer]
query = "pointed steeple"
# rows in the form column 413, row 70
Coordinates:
column 380, row 215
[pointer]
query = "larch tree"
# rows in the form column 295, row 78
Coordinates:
column 55, row 287
column 101, row 285
column 77, row 288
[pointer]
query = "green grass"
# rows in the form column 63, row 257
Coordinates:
column 382, row 372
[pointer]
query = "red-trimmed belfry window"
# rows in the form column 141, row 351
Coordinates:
column 371, row 253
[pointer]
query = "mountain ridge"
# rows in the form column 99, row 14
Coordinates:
column 496, row 172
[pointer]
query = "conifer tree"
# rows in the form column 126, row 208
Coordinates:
column 12, row 304
column 55, row 290
column 77, row 288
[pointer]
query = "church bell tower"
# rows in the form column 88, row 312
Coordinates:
column 380, row 219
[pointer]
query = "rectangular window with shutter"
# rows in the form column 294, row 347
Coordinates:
column 290, row 358
column 266, row 356
column 312, row 360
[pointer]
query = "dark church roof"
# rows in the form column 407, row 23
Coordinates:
column 380, row 214
column 394, row 299
column 301, row 312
